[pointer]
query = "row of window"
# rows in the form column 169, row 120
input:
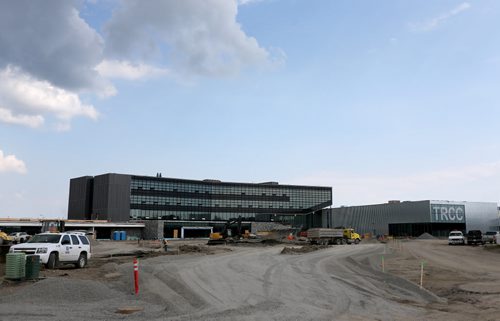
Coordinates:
column 138, row 199
column 183, row 216
column 225, row 189
column 208, row 203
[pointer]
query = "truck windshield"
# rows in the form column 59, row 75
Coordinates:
column 45, row 238
column 455, row 234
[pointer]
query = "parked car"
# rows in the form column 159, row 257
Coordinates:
column 491, row 237
column 474, row 237
column 20, row 237
column 57, row 248
column 456, row 237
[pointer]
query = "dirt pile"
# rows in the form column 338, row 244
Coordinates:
column 203, row 249
column 426, row 236
column 193, row 249
column 302, row 249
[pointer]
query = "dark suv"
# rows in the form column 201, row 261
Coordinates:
column 474, row 237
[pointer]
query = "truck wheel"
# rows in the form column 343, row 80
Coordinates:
column 53, row 261
column 356, row 241
column 338, row 241
column 344, row 241
column 82, row 261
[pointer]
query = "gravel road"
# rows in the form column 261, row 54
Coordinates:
column 339, row 283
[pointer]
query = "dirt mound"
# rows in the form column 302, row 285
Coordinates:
column 193, row 249
column 62, row 290
column 302, row 249
column 426, row 236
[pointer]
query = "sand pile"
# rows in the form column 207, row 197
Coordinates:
column 426, row 236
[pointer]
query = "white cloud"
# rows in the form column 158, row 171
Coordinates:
column 470, row 183
column 128, row 70
column 45, row 63
column 435, row 22
column 10, row 163
column 51, row 42
column 194, row 37
column 25, row 100
column 6, row 116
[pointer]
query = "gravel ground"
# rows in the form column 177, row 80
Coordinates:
column 468, row 277
column 260, row 283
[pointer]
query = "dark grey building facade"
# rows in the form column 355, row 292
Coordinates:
column 194, row 203
column 414, row 218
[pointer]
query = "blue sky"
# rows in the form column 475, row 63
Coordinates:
column 379, row 99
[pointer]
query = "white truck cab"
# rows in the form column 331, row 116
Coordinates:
column 57, row 248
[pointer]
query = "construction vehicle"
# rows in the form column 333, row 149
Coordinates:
column 53, row 226
column 226, row 235
column 325, row 236
column 5, row 239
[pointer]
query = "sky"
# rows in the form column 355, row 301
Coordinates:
column 381, row 100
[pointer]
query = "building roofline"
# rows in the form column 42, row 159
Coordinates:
column 217, row 182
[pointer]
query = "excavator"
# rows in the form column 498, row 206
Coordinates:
column 225, row 235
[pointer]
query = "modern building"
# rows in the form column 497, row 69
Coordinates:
column 414, row 218
column 190, row 208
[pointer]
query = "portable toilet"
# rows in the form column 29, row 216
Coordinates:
column 116, row 235
column 123, row 235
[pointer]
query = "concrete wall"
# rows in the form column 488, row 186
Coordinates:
column 153, row 229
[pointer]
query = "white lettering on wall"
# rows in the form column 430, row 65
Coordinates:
column 448, row 213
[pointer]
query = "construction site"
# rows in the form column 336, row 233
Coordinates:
column 249, row 160
column 286, row 279
column 175, row 249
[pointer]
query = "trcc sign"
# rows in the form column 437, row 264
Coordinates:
column 447, row 213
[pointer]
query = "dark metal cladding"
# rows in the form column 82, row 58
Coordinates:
column 80, row 198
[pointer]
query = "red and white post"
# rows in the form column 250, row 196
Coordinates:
column 136, row 276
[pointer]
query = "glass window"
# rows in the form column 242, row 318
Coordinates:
column 74, row 238
column 65, row 240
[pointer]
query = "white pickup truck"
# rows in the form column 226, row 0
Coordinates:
column 456, row 237
column 57, row 248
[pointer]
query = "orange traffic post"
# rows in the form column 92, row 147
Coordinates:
column 136, row 276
